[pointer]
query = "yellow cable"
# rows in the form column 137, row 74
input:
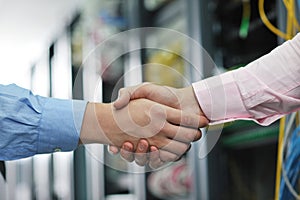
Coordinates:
column 289, row 20
column 292, row 21
column 268, row 24
column 289, row 32
column 279, row 156
column 296, row 26
column 297, row 119
column 292, row 25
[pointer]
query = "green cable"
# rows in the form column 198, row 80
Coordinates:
column 254, row 135
column 244, row 28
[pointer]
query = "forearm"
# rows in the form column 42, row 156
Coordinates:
column 263, row 91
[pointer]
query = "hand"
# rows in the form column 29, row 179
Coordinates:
column 141, row 118
column 183, row 99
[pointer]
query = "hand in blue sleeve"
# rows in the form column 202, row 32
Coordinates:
column 32, row 124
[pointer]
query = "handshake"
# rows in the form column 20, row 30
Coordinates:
column 148, row 123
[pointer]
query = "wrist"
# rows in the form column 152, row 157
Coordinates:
column 195, row 101
column 190, row 101
column 108, row 127
column 100, row 126
column 93, row 129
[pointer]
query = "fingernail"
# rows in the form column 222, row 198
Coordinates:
column 142, row 147
column 153, row 149
column 126, row 147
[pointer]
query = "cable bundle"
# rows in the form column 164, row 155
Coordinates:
column 292, row 24
column 291, row 168
column 292, row 165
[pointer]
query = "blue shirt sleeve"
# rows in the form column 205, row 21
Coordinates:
column 32, row 124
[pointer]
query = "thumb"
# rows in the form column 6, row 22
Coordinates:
column 129, row 93
column 123, row 98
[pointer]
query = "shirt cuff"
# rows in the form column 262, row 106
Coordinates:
column 220, row 99
column 60, row 125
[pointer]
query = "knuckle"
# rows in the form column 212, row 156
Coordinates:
column 145, row 83
column 153, row 165
column 140, row 159
column 122, row 90
column 198, row 135
column 153, row 156
column 193, row 135
column 190, row 136
column 187, row 120
column 182, row 149
column 169, row 157
column 158, row 165
column 187, row 146
column 140, row 163
column 127, row 157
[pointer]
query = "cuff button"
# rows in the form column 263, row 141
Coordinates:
column 57, row 149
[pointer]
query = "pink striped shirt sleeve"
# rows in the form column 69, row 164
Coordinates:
column 263, row 91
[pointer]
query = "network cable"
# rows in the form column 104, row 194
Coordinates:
column 291, row 168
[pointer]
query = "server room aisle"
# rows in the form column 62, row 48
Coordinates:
column 89, row 49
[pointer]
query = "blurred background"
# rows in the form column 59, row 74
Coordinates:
column 48, row 46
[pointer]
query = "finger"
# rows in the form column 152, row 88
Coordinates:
column 126, row 152
column 113, row 149
column 181, row 134
column 189, row 148
column 129, row 93
column 154, row 154
column 187, row 119
column 141, row 157
column 166, row 156
column 175, row 147
column 123, row 97
column 154, row 159
column 180, row 157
